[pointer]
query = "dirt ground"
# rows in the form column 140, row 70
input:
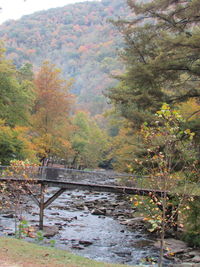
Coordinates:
column 4, row 263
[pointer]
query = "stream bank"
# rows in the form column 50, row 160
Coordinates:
column 99, row 226
column 94, row 225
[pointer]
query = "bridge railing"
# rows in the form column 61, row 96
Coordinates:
column 20, row 172
column 87, row 177
column 70, row 175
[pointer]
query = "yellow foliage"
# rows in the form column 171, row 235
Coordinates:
column 190, row 110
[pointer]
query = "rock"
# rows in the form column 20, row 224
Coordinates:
column 173, row 246
column 67, row 219
column 55, row 213
column 5, row 212
column 185, row 264
column 142, row 243
column 85, row 243
column 133, row 222
column 118, row 213
column 10, row 234
column 98, row 212
column 79, row 206
column 48, row 231
column 138, row 236
column 11, row 215
column 33, row 220
column 195, row 255
column 109, row 212
column 123, row 254
column 77, row 247
column 113, row 204
column 196, row 259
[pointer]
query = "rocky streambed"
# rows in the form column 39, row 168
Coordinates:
column 100, row 226
column 95, row 225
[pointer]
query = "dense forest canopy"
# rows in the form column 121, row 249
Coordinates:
column 78, row 38
column 153, row 125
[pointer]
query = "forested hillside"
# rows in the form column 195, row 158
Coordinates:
column 152, row 129
column 78, row 38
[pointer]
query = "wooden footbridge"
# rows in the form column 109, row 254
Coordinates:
column 70, row 179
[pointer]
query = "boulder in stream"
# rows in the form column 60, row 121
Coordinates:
column 138, row 221
column 49, row 231
column 85, row 243
column 98, row 212
column 173, row 246
column 10, row 215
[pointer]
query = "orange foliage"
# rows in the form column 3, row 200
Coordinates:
column 51, row 112
column 31, row 51
column 82, row 49
column 77, row 28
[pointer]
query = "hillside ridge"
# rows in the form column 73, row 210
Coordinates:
column 78, row 38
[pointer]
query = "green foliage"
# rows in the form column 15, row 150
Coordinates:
column 39, row 236
column 192, row 218
column 192, row 238
column 18, row 251
column 22, row 229
column 13, row 144
column 89, row 142
column 52, row 243
column 169, row 149
column 161, row 55
column 16, row 96
column 26, row 72
column 171, row 165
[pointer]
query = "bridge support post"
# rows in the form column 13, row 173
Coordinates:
column 41, row 205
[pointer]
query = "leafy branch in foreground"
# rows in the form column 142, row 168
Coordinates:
column 172, row 167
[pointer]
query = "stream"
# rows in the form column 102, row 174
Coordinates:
column 98, row 225
column 93, row 225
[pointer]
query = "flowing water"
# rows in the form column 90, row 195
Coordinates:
column 99, row 237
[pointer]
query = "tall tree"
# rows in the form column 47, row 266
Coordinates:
column 15, row 96
column 161, row 55
column 51, row 125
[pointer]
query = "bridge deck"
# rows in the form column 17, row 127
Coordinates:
column 89, row 186
column 78, row 176
column 67, row 179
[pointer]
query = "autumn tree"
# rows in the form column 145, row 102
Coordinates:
column 171, row 164
column 51, row 124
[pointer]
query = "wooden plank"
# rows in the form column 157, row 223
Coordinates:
column 91, row 187
column 96, row 187
column 103, row 188
column 54, row 197
column 41, row 221
column 30, row 193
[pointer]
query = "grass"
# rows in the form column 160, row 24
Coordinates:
column 23, row 254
